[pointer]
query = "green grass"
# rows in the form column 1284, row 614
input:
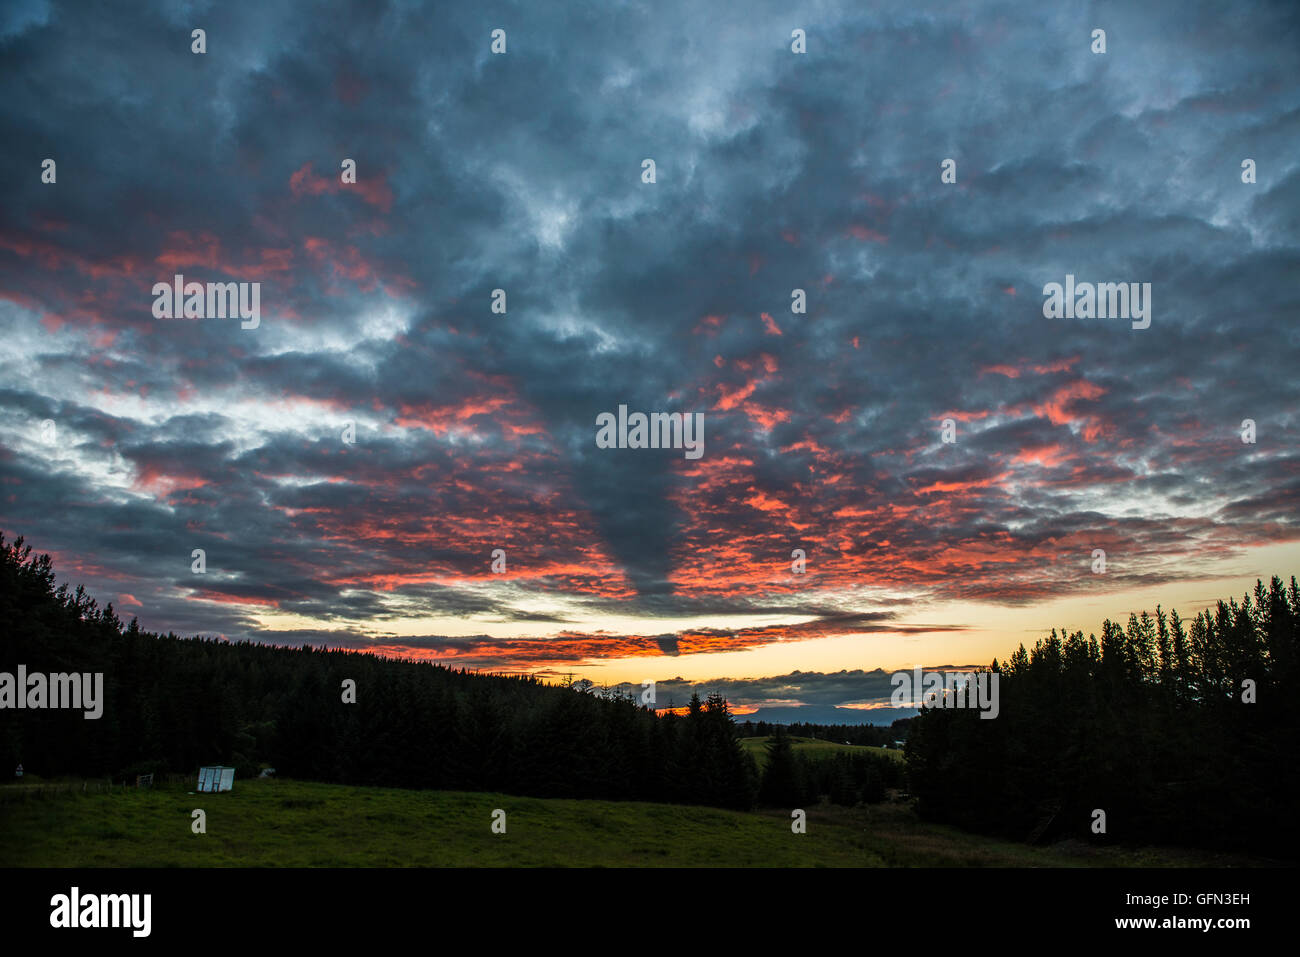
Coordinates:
column 283, row 823
column 758, row 748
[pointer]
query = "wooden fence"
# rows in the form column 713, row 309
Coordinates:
column 51, row 789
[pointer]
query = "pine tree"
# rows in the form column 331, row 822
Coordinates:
column 782, row 783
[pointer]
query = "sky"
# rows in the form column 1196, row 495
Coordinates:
column 946, row 456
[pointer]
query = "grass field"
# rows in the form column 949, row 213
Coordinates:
column 758, row 748
column 283, row 823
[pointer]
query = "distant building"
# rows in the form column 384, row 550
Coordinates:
column 216, row 778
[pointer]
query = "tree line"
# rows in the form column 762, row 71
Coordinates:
column 796, row 779
column 1180, row 732
column 174, row 704
column 869, row 735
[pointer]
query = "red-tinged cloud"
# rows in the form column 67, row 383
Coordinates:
column 372, row 188
column 572, row 648
column 471, row 430
column 204, row 250
column 865, row 234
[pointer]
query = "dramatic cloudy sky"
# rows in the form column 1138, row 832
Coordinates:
column 476, row 431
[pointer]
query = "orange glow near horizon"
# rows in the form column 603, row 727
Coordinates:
column 605, row 652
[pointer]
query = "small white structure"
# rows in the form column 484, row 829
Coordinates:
column 216, row 779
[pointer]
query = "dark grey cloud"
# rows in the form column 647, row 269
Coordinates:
column 522, row 172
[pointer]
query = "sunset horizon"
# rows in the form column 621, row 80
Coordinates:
column 566, row 354
column 459, row 459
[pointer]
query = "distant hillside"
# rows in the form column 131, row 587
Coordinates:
column 830, row 715
column 815, row 746
column 866, row 734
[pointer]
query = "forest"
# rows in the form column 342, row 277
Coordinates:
column 1181, row 731
column 171, row 704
